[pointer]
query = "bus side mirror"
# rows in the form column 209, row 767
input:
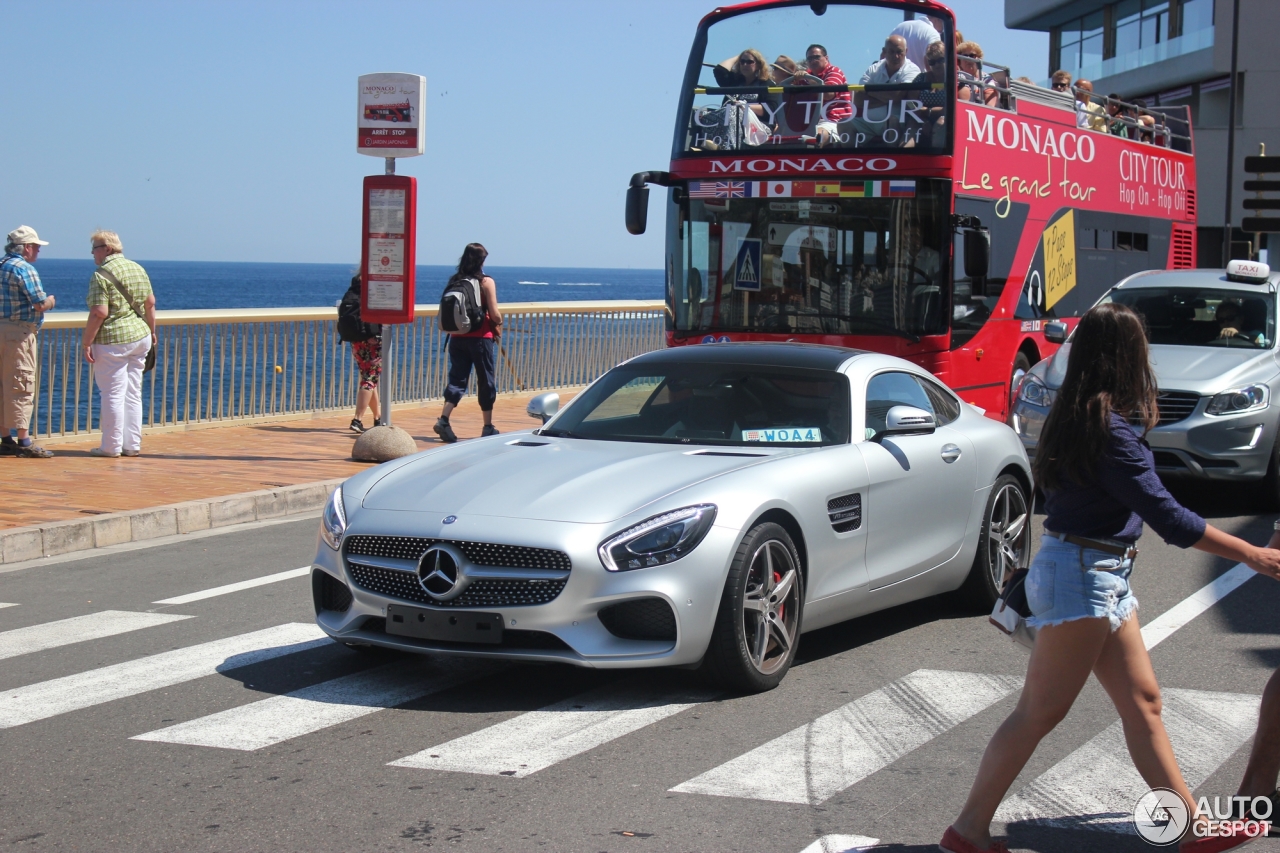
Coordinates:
column 637, row 209
column 1055, row 332
column 977, row 252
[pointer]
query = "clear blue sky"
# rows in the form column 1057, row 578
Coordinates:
column 225, row 130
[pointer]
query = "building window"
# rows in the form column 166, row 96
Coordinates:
column 1196, row 15
column 1139, row 24
column 1126, row 34
column 1081, row 41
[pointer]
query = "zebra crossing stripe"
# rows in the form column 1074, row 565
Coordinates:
column 538, row 739
column 93, row 626
column 4, row 604
column 236, row 587
column 841, row 844
column 84, row 690
column 1097, row 786
column 280, row 718
column 810, row 764
column 1195, row 604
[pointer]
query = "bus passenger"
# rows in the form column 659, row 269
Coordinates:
column 1088, row 114
column 835, row 105
column 1115, row 116
column 973, row 85
column 750, row 69
column 934, row 100
column 1061, row 81
column 919, row 34
column 784, row 68
column 892, row 67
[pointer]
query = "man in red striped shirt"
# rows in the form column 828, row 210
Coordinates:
column 836, row 106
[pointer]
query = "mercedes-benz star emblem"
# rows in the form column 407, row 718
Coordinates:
column 440, row 572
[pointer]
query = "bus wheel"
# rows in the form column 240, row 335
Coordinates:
column 1021, row 364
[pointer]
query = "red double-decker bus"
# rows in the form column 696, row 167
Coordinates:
column 890, row 215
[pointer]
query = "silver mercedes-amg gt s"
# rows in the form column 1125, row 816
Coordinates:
column 696, row 504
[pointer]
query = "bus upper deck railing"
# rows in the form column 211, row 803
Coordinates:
column 237, row 365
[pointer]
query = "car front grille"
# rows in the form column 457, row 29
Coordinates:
column 480, row 553
column 512, row 592
column 845, row 512
column 512, row 640
column 640, row 619
column 1176, row 406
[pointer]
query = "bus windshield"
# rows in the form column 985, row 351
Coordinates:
column 843, row 257
column 851, row 77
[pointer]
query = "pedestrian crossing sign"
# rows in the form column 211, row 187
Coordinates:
column 747, row 266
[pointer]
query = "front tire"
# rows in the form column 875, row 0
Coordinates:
column 1004, row 543
column 758, row 624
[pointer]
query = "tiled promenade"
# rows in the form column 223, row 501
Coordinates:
column 206, row 463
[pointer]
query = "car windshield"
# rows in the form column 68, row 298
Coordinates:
column 719, row 404
column 1204, row 317
column 849, row 258
column 848, row 77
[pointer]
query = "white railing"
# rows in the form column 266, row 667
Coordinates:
column 240, row 365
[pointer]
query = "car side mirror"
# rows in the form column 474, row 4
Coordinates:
column 1055, row 332
column 907, row 420
column 637, row 209
column 544, row 406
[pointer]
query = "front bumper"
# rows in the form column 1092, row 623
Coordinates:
column 1230, row 448
column 567, row 629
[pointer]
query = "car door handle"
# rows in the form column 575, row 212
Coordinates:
column 950, row 453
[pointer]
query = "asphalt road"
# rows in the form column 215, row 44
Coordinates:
column 875, row 733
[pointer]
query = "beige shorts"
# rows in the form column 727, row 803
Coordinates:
column 17, row 374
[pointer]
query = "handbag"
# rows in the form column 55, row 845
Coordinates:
column 1012, row 611
column 150, row 362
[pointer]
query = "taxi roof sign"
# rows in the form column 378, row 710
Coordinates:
column 1248, row 271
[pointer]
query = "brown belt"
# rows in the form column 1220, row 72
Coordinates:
column 1126, row 552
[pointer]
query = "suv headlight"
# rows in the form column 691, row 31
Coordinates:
column 1035, row 392
column 659, row 540
column 1246, row 399
column 333, row 522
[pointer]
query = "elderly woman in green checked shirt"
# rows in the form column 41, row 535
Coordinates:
column 117, row 337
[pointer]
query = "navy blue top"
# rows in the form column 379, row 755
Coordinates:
column 1125, row 493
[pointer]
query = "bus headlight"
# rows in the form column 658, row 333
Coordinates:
column 1247, row 399
column 333, row 522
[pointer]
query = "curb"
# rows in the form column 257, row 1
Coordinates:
column 18, row 544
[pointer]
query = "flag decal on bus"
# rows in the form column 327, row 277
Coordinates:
column 802, row 189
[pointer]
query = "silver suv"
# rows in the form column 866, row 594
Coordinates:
column 1213, row 348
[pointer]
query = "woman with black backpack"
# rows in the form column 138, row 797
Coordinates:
column 470, row 292
column 366, row 346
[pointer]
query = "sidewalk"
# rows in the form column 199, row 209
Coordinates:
column 206, row 463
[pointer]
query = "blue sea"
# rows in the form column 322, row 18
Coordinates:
column 217, row 284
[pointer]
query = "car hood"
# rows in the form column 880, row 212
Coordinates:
column 1203, row 370
column 570, row 480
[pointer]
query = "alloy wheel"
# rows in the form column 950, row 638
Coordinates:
column 771, row 606
column 1007, row 533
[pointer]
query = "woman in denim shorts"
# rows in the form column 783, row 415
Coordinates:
column 1100, row 485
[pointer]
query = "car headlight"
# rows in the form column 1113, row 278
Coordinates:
column 333, row 522
column 1246, row 399
column 1034, row 391
column 659, row 540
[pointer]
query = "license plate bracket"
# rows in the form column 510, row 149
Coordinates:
column 453, row 626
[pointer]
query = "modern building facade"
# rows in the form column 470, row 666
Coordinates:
column 1175, row 53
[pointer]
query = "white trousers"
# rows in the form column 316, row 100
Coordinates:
column 117, row 368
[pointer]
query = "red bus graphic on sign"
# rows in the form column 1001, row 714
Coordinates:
column 388, row 112
column 865, row 196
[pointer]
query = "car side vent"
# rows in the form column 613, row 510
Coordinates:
column 726, row 453
column 845, row 512
column 528, row 443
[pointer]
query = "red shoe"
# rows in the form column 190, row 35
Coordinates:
column 1216, row 843
column 954, row 842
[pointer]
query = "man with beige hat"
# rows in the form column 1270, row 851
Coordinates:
column 22, row 306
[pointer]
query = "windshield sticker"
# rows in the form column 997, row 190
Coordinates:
column 791, row 435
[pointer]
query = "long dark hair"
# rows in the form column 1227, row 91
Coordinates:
column 471, row 264
column 1109, row 370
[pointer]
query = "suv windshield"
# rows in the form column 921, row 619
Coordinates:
column 1204, row 317
column 848, row 77
column 719, row 404
column 841, row 257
